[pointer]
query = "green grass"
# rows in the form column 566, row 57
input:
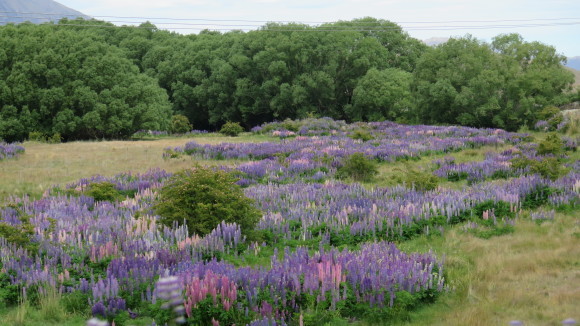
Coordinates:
column 525, row 275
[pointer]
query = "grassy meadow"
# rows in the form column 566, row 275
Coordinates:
column 45, row 165
column 531, row 274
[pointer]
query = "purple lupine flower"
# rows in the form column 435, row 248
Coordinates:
column 99, row 309
column 97, row 322
column 170, row 289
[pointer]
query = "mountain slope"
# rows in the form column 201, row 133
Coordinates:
column 574, row 62
column 35, row 11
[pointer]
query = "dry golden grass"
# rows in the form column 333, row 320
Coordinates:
column 44, row 165
column 532, row 275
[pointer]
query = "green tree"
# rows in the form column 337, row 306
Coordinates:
column 58, row 80
column 465, row 81
column 382, row 95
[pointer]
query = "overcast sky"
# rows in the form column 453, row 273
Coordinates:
column 561, row 18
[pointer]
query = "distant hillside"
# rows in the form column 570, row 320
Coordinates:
column 35, row 11
column 574, row 62
column 576, row 75
column 433, row 41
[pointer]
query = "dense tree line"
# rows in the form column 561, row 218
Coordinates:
column 105, row 82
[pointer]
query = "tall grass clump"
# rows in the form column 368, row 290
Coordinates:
column 50, row 306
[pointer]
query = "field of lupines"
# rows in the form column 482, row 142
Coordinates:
column 115, row 261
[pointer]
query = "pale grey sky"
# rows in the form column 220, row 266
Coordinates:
column 422, row 19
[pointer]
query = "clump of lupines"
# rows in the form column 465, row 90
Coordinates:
column 127, row 181
column 493, row 166
column 272, row 171
column 391, row 142
column 304, row 127
column 387, row 212
column 542, row 125
column 542, row 215
column 10, row 150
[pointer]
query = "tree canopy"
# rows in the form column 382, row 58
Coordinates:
column 90, row 79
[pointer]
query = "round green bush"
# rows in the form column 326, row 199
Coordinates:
column 358, row 167
column 202, row 198
column 231, row 129
column 180, row 124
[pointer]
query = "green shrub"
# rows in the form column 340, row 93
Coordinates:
column 361, row 135
column 10, row 294
column 202, row 198
column 104, row 191
column 231, row 129
column 21, row 234
column 421, row 180
column 548, row 112
column 548, row 167
column 36, row 136
column 552, row 144
column 290, row 125
column 55, row 139
column 358, row 167
column 552, row 115
column 180, row 124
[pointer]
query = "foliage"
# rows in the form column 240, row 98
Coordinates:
column 88, row 82
column 361, row 135
column 58, row 80
column 552, row 144
column 552, row 115
column 358, row 167
column 381, row 95
column 421, row 180
column 104, row 191
column 202, row 198
column 502, row 84
column 10, row 294
column 231, row 129
column 21, row 234
column 40, row 137
column 180, row 124
column 547, row 167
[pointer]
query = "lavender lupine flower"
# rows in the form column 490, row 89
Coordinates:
column 10, row 150
column 562, row 124
column 97, row 322
column 542, row 125
column 516, row 323
column 542, row 215
column 170, row 289
column 266, row 322
column 569, row 322
column 99, row 309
